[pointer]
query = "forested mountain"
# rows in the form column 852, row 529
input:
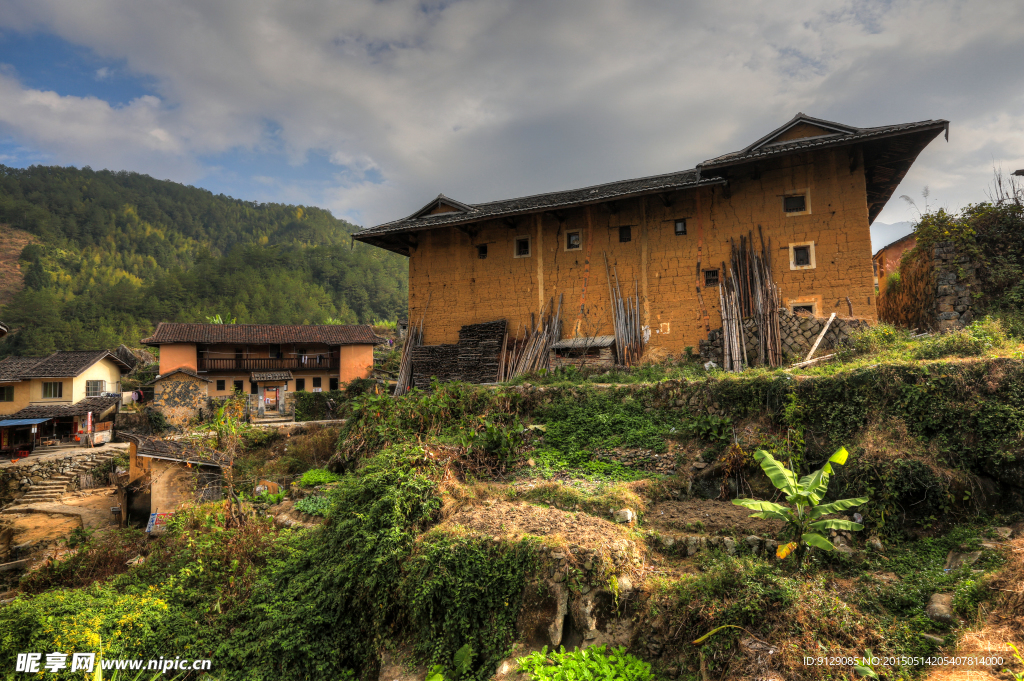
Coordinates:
column 117, row 252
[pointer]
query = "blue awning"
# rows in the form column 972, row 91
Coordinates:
column 9, row 423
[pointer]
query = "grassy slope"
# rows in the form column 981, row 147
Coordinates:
column 447, row 516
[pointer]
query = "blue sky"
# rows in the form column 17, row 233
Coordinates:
column 372, row 108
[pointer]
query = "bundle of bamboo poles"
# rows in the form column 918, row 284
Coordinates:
column 734, row 348
column 414, row 338
column 533, row 352
column 627, row 321
column 751, row 292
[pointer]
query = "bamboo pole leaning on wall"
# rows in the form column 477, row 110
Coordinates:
column 534, row 352
column 749, row 291
column 413, row 339
column 627, row 321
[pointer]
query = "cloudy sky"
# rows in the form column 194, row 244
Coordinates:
column 372, row 108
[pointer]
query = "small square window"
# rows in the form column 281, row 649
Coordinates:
column 220, row 384
column 334, row 384
column 300, row 384
column 625, row 234
column 481, row 251
column 573, row 241
column 7, row 393
column 523, row 247
column 238, row 386
column 317, row 382
column 711, row 277
column 794, row 204
column 681, row 227
column 801, row 256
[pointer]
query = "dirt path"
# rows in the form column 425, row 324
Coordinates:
column 707, row 516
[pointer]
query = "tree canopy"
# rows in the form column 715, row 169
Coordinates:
column 120, row 251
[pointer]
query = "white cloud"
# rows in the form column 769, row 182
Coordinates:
column 486, row 99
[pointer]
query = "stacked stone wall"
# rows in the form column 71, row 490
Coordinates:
column 798, row 333
column 934, row 293
column 180, row 398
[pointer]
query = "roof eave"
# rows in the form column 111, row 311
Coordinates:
column 369, row 237
column 838, row 142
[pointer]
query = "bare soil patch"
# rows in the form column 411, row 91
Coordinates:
column 714, row 516
column 12, row 242
column 512, row 520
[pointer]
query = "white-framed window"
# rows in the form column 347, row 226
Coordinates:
column 680, row 227
column 95, row 388
column 6, row 393
column 806, row 308
column 521, row 247
column 53, row 390
column 801, row 256
column 573, row 240
column 797, row 202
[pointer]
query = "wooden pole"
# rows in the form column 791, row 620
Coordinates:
column 820, row 336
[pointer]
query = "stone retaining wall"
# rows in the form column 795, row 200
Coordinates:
column 934, row 292
column 798, row 333
column 16, row 481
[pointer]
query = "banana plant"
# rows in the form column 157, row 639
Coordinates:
column 804, row 520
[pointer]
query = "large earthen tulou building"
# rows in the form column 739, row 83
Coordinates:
column 812, row 187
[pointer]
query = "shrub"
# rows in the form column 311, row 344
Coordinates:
column 592, row 663
column 973, row 340
column 319, row 406
column 317, row 504
column 318, row 476
column 877, row 338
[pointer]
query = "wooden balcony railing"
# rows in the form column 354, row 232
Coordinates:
column 268, row 364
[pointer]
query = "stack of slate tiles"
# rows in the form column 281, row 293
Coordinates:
column 474, row 359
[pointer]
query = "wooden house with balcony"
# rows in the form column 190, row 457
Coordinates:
column 267, row 361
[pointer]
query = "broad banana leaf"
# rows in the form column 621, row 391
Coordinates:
column 816, row 540
column 771, row 515
column 815, row 484
column 835, row 524
column 758, row 505
column 783, row 478
column 785, row 549
column 836, row 507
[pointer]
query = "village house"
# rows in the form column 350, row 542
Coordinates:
column 166, row 475
column 810, row 188
column 57, row 398
column 267, row 361
column 887, row 259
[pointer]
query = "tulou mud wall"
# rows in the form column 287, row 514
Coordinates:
column 450, row 285
column 934, row 292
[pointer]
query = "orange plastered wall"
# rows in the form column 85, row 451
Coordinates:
column 356, row 361
column 450, row 286
column 177, row 356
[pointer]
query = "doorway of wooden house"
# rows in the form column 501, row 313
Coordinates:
column 270, row 399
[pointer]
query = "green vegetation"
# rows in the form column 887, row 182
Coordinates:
column 317, row 476
column 808, row 512
column 118, row 252
column 314, row 505
column 592, row 664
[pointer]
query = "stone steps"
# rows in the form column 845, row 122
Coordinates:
column 54, row 487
